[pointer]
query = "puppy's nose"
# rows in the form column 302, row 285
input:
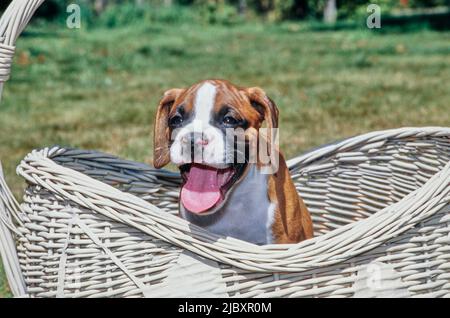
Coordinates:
column 196, row 139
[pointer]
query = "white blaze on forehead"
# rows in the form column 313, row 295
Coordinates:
column 214, row 152
column 204, row 103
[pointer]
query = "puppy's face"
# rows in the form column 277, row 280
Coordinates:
column 205, row 130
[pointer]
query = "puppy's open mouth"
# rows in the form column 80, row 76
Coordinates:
column 206, row 187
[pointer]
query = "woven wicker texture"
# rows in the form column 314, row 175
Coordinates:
column 95, row 225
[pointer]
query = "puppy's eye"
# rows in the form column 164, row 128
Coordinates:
column 230, row 121
column 175, row 121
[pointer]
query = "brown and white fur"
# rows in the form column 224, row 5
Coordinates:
column 257, row 207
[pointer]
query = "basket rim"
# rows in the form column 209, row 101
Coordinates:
column 328, row 249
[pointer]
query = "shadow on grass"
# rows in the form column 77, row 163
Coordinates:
column 389, row 23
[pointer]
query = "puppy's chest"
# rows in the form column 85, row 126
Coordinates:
column 248, row 214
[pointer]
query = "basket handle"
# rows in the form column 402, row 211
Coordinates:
column 12, row 23
column 9, row 210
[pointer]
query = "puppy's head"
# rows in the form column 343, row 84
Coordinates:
column 206, row 130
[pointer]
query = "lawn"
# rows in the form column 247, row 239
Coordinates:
column 99, row 89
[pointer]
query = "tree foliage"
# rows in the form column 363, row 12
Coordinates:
column 227, row 9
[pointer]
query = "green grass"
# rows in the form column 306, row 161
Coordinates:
column 99, row 89
column 4, row 290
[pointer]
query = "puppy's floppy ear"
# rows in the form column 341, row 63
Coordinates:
column 269, row 112
column 264, row 105
column 161, row 136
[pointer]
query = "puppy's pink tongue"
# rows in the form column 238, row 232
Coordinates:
column 202, row 190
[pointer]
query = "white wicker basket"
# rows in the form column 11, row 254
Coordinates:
column 95, row 225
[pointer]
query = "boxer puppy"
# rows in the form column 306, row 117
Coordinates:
column 223, row 190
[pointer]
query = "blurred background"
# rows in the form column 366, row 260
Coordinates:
column 97, row 86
